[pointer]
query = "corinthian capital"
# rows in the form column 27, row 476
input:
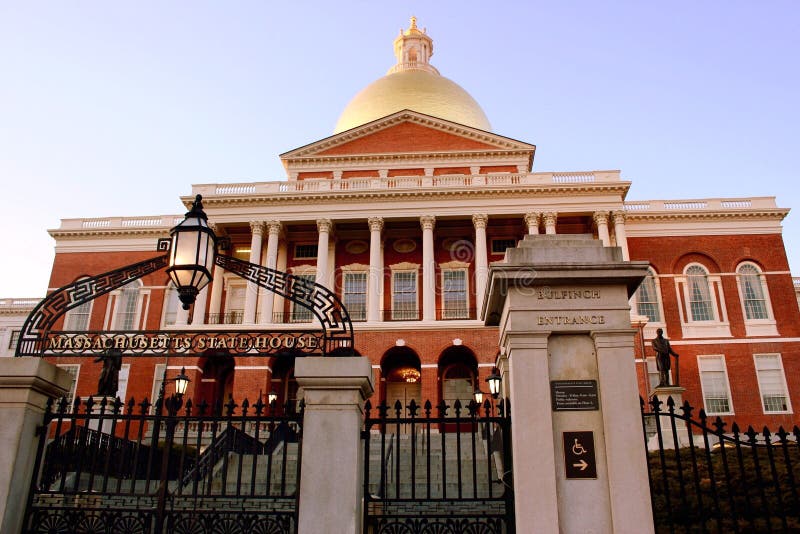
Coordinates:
column 257, row 227
column 600, row 217
column 532, row 219
column 274, row 227
column 550, row 218
column 480, row 220
column 427, row 222
column 375, row 224
column 324, row 225
column 619, row 217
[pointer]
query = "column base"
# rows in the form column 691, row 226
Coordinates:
column 663, row 393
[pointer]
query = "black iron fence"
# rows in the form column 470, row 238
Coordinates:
column 705, row 477
column 114, row 467
column 438, row 471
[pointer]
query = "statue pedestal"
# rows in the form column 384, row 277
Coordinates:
column 678, row 436
column 104, row 405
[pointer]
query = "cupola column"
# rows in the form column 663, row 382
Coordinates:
column 324, row 227
column 480, row 220
column 532, row 222
column 550, row 222
column 601, row 220
column 274, row 232
column 428, row 269
column 375, row 270
column 251, row 295
column 619, row 233
column 199, row 308
column 216, row 284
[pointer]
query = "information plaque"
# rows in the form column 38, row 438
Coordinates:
column 574, row 395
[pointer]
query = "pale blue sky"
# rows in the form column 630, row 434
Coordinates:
column 116, row 108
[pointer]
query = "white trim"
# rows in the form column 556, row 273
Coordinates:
column 718, row 326
column 74, row 386
column 252, row 368
column 757, row 327
column 395, row 270
column 785, row 386
column 721, row 358
column 448, row 268
column 717, row 341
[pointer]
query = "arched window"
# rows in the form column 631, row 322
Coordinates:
column 647, row 298
column 126, row 313
column 751, row 287
column 701, row 307
column 171, row 305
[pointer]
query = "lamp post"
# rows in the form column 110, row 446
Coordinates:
column 192, row 253
column 494, row 383
column 272, row 397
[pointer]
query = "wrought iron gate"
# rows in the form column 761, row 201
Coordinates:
column 142, row 468
column 706, row 478
column 449, row 472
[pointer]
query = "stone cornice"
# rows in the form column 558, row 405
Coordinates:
column 110, row 232
column 777, row 214
column 462, row 157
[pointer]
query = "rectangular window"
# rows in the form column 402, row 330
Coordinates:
column 305, row 251
column 454, row 294
column 78, row 318
column 234, row 305
column 499, row 246
column 126, row 308
column 122, row 384
column 404, row 296
column 653, row 376
column 647, row 299
column 301, row 314
column 771, row 383
column 355, row 295
column 14, row 339
column 714, row 382
column 74, row 371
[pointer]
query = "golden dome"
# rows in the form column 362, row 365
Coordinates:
column 413, row 83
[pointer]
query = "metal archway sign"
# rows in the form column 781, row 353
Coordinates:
column 334, row 337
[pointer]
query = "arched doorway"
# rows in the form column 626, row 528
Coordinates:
column 216, row 384
column 401, row 370
column 458, row 372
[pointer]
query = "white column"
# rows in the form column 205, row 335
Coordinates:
column 375, row 270
column 283, row 255
column 480, row 220
column 324, row 227
column 251, row 295
column 601, row 220
column 216, row 292
column 331, row 483
column 550, row 222
column 181, row 316
column 532, row 222
column 428, row 269
column 199, row 309
column 274, row 231
column 619, row 232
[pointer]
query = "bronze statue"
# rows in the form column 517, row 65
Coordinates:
column 108, row 384
column 663, row 350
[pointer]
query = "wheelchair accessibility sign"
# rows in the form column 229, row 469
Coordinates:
column 579, row 457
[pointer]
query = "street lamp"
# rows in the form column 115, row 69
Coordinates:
column 272, row 397
column 494, row 383
column 192, row 253
column 478, row 394
column 181, row 383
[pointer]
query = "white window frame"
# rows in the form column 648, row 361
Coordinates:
column 779, row 359
column 405, row 268
column 304, row 244
column 237, row 314
column 653, row 376
column 757, row 327
column 169, row 291
column 71, row 315
column 158, row 378
column 454, row 266
column 13, row 339
column 703, row 359
column 718, row 326
column 137, row 313
column 297, row 313
column 651, row 326
column 362, row 314
column 74, row 386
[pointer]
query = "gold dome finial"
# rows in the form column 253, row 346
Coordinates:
column 413, row 28
column 413, row 23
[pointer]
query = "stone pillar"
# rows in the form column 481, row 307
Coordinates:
column 619, row 233
column 199, row 308
column 332, row 468
column 532, row 222
column 479, row 220
column 428, row 269
column 572, row 384
column 601, row 220
column 274, row 232
column 283, row 260
column 668, row 438
column 375, row 270
column 324, row 227
column 251, row 295
column 25, row 386
column 550, row 222
column 216, row 291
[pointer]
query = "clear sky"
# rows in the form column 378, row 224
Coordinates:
column 116, row 108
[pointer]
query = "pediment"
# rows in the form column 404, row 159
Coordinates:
column 407, row 132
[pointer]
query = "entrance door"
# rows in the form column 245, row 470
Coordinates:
column 403, row 392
